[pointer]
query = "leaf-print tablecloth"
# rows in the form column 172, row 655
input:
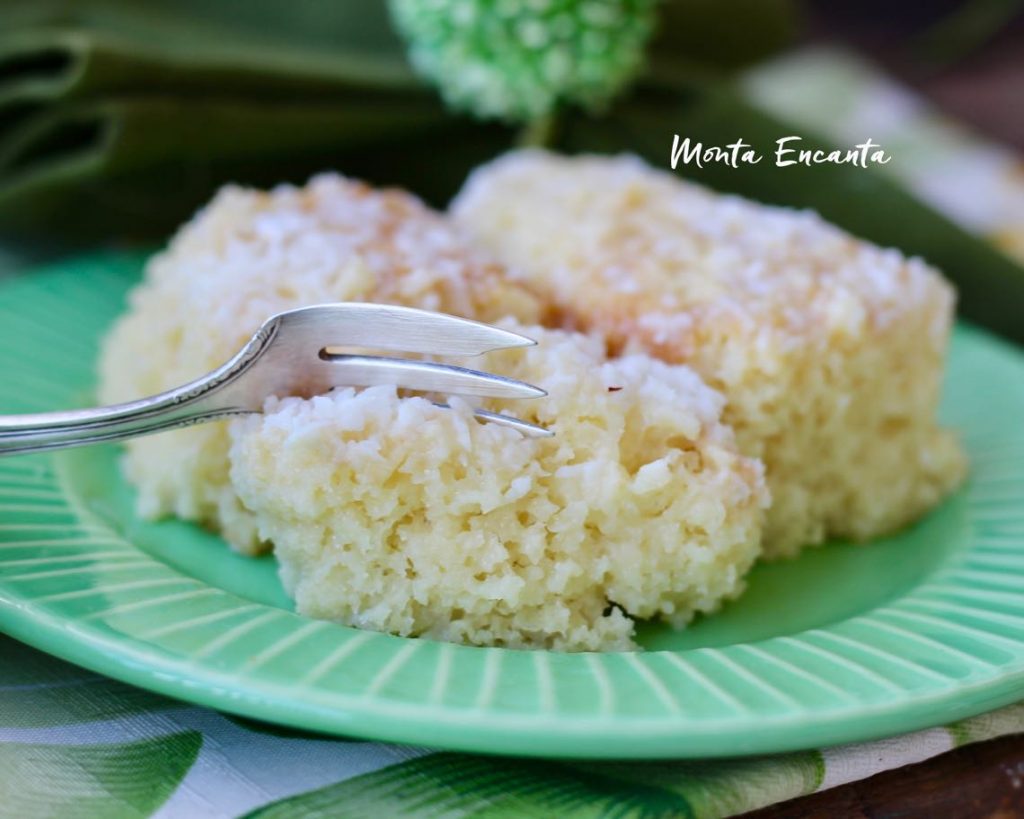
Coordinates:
column 74, row 744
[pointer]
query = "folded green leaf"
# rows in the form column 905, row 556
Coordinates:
column 139, row 166
column 313, row 28
column 57, row 65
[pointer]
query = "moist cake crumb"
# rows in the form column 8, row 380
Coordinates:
column 393, row 514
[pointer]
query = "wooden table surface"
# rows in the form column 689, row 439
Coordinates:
column 985, row 779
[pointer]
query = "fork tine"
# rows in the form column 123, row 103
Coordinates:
column 525, row 427
column 403, row 329
column 368, row 371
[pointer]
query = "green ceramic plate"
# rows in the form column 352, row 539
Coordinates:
column 847, row 643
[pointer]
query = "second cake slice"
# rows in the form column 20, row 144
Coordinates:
column 829, row 350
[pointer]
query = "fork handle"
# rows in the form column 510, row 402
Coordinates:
column 204, row 399
column 190, row 404
column 60, row 430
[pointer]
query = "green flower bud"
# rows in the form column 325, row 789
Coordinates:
column 516, row 59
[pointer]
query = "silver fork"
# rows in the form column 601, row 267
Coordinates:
column 296, row 353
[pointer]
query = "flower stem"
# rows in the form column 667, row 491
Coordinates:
column 538, row 133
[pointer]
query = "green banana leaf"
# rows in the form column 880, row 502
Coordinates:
column 60, row 65
column 138, row 166
column 118, row 120
column 324, row 28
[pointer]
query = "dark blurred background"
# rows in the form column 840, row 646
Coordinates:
column 967, row 57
